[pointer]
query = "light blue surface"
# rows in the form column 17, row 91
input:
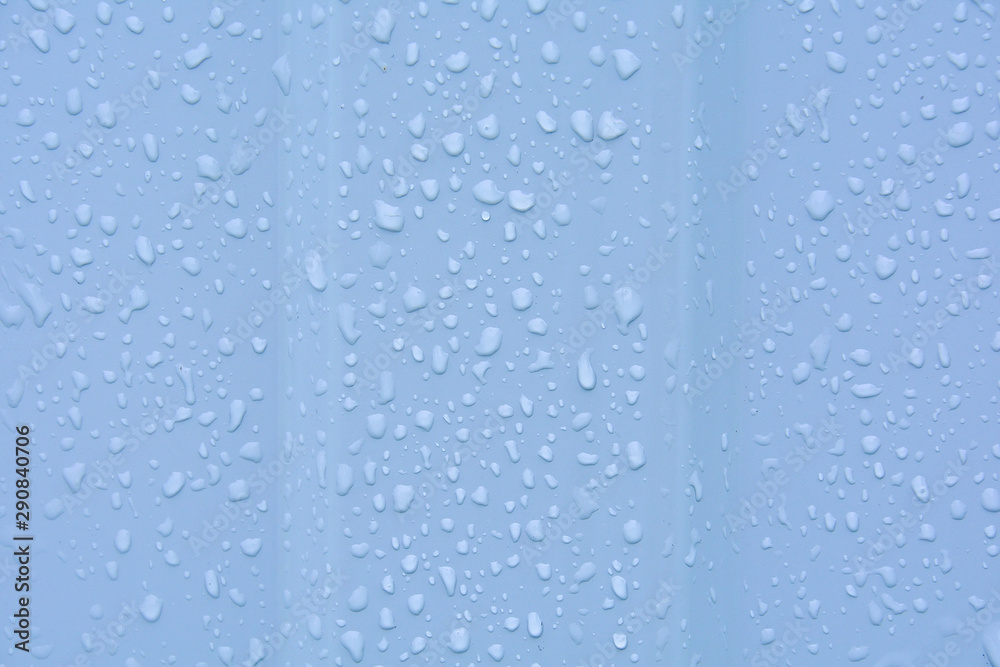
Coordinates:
column 518, row 333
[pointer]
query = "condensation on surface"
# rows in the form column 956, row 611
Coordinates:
column 527, row 333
